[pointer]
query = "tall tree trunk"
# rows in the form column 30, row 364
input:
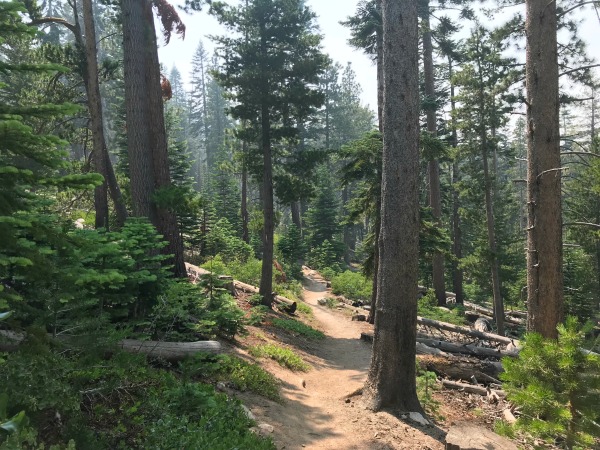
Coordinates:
column 296, row 215
column 95, row 108
column 347, row 230
column 489, row 209
column 101, row 158
column 545, row 300
column 266, row 276
column 457, row 272
column 391, row 380
column 435, row 198
column 146, row 136
column 494, row 267
column 244, row 202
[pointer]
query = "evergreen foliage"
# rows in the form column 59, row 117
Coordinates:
column 557, row 386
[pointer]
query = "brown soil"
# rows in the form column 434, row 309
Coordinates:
column 316, row 413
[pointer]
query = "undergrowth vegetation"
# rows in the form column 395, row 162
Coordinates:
column 284, row 356
column 298, row 328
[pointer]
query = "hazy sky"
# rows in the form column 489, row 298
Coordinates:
column 330, row 12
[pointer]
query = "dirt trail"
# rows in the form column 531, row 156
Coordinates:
column 317, row 416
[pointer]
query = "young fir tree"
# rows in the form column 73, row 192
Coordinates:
column 271, row 61
column 30, row 164
column 556, row 384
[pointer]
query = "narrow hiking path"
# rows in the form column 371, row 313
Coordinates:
column 315, row 414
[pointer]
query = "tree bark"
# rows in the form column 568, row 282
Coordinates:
column 95, row 108
column 457, row 272
column 544, row 226
column 146, row 136
column 435, row 199
column 391, row 380
column 244, row 202
column 489, row 210
column 266, row 276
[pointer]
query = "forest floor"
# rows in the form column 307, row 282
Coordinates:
column 315, row 413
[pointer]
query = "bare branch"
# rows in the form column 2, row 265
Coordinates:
column 56, row 20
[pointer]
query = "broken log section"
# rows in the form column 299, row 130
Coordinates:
column 289, row 305
column 461, row 368
column 490, row 313
column 466, row 331
column 472, row 388
column 472, row 437
column 465, row 349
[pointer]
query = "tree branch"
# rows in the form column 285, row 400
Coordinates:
column 56, row 20
column 568, row 72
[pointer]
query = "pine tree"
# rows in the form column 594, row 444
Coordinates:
column 269, row 86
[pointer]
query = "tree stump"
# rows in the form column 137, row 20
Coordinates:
column 471, row 437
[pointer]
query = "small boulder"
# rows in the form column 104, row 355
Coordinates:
column 322, row 301
column 359, row 318
column 265, row 429
column 418, row 418
column 483, row 325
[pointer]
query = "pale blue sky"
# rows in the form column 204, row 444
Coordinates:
column 329, row 12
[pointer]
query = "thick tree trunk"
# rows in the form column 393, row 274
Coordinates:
column 146, row 136
column 391, row 380
column 544, row 228
column 435, row 198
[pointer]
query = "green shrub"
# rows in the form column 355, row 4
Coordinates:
column 251, row 377
column 298, row 327
column 352, row 285
column 328, row 273
column 285, row 357
column 557, row 387
column 426, row 384
column 189, row 312
column 222, row 240
column 257, row 315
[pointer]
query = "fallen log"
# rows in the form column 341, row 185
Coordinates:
column 171, row 351
column 195, row 272
column 466, row 331
column 289, row 305
column 464, row 349
column 489, row 313
column 461, row 368
column 472, row 388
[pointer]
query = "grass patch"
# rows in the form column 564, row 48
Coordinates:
column 304, row 309
column 299, row 328
column 427, row 307
column 252, row 377
column 243, row 375
column 284, row 356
